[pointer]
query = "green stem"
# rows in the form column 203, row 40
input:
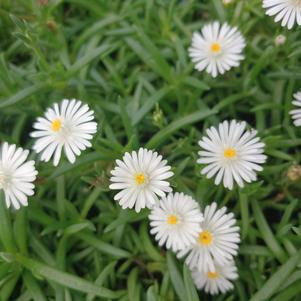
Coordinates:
column 6, row 233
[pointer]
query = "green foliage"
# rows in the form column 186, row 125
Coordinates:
column 128, row 60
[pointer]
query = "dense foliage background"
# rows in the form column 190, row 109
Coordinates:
column 128, row 60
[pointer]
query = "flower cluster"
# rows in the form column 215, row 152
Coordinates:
column 209, row 241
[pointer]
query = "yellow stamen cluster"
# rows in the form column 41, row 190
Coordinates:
column 212, row 275
column 56, row 125
column 205, row 238
column 172, row 220
column 140, row 178
column 216, row 47
column 229, row 153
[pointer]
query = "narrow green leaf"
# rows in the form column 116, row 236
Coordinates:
column 83, row 160
column 20, row 230
column 146, row 55
column 88, row 57
column 176, row 278
column 75, row 228
column 255, row 250
column 180, row 123
column 273, row 283
column 6, row 232
column 196, row 83
column 90, row 201
column 102, row 246
column 133, row 285
column 152, row 251
column 261, row 63
column 267, row 233
column 126, row 119
column 126, row 216
column 65, row 279
column 33, row 287
column 230, row 100
column 102, row 277
column 189, row 285
column 294, row 290
column 151, row 295
column 40, row 250
column 156, row 55
column 244, row 210
column 9, row 287
column 149, row 104
column 218, row 6
column 22, row 95
column 94, row 29
column 60, row 196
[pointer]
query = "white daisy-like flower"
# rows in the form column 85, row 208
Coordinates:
column 217, row 242
column 231, row 153
column 296, row 113
column 217, row 281
column 16, row 175
column 67, row 126
column 217, row 48
column 141, row 177
column 176, row 221
column 286, row 11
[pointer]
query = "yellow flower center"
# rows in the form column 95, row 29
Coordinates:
column 140, row 178
column 205, row 238
column 172, row 220
column 229, row 153
column 212, row 275
column 216, row 47
column 56, row 125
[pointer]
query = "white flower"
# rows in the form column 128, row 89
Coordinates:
column 217, row 48
column 67, row 126
column 227, row 2
column 296, row 113
column 231, row 152
column 140, row 177
column 217, row 281
column 289, row 11
column 280, row 40
column 217, row 243
column 16, row 175
column 176, row 221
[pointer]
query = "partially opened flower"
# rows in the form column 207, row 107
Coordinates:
column 296, row 113
column 176, row 221
column 227, row 2
column 141, row 177
column 280, row 40
column 231, row 153
column 286, row 11
column 16, row 175
column 217, row 48
column 217, row 242
column 68, row 126
column 218, row 281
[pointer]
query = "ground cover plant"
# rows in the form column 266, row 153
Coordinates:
column 130, row 62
